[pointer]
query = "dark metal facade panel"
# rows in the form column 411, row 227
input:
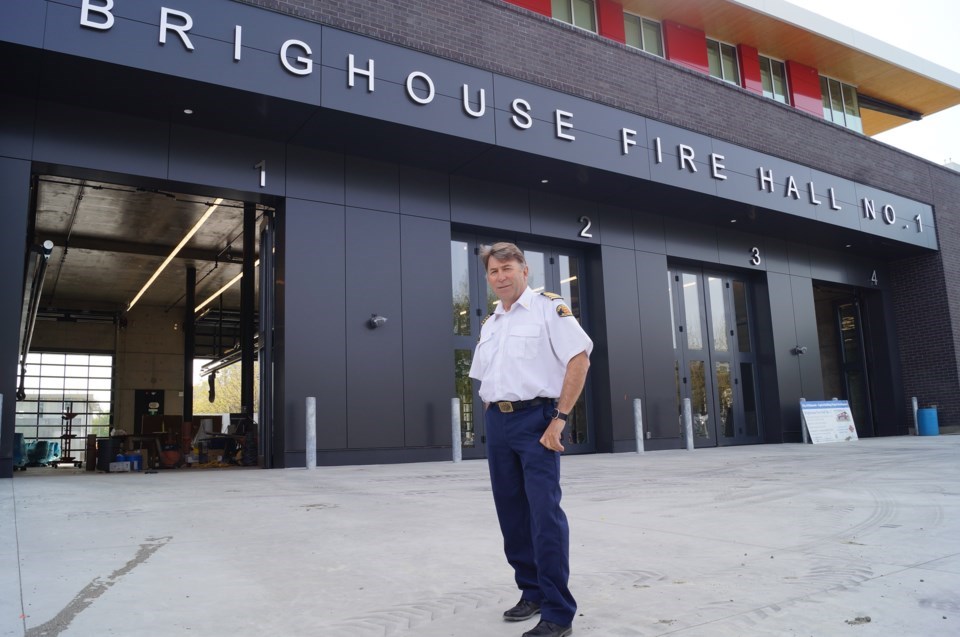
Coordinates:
column 563, row 218
column 805, row 319
column 648, row 233
column 776, row 255
column 785, row 425
column 136, row 32
column 313, row 320
column 101, row 141
column 17, row 126
column 691, row 241
column 799, row 255
column 315, row 174
column 15, row 186
column 23, row 22
column 424, row 193
column 427, row 365
column 741, row 249
column 374, row 366
column 617, row 364
column 227, row 161
column 617, row 226
column 660, row 408
column 474, row 203
column 372, row 184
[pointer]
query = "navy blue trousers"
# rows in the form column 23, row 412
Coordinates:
column 525, row 477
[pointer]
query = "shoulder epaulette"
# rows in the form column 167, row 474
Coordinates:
column 552, row 296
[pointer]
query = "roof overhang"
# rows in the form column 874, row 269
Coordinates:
column 784, row 31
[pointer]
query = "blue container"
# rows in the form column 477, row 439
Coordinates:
column 927, row 424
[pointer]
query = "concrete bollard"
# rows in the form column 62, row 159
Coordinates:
column 311, row 430
column 688, row 423
column 916, row 425
column 638, row 424
column 455, row 430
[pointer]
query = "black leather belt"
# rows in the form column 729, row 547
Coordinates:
column 507, row 407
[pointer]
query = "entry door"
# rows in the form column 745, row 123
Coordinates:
column 853, row 363
column 551, row 270
column 714, row 356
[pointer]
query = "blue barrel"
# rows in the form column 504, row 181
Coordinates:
column 927, row 424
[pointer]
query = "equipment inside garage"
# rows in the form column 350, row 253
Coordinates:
column 138, row 329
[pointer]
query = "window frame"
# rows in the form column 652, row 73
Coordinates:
column 641, row 21
column 786, row 87
column 848, row 121
column 594, row 28
column 736, row 61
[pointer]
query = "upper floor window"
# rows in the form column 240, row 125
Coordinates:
column 723, row 61
column 840, row 104
column 773, row 76
column 643, row 34
column 579, row 13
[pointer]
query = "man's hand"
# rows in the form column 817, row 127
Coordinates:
column 551, row 437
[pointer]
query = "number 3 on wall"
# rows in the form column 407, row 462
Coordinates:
column 755, row 256
column 585, row 230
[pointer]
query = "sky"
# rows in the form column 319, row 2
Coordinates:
column 927, row 28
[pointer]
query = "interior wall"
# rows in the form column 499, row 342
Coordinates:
column 148, row 354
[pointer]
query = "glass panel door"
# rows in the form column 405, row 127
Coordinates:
column 692, row 356
column 714, row 361
column 854, row 363
column 559, row 271
column 465, row 297
column 551, row 270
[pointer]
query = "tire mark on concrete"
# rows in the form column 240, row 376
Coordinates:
column 89, row 594
column 395, row 621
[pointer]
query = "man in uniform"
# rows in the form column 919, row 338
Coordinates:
column 531, row 361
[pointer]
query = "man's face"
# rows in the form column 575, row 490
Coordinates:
column 508, row 279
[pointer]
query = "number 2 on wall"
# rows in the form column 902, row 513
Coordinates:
column 585, row 230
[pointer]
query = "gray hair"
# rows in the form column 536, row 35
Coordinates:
column 502, row 251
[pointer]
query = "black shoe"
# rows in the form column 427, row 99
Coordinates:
column 525, row 609
column 549, row 629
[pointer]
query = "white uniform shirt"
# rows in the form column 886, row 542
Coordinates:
column 523, row 353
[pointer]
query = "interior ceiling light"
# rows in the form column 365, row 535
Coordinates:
column 544, row 181
column 226, row 287
column 188, row 111
column 176, row 250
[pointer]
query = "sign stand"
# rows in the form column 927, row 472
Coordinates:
column 828, row 421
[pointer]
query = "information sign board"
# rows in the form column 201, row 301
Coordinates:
column 828, row 420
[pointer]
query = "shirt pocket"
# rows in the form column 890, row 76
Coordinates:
column 523, row 341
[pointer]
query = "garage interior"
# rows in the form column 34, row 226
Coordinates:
column 132, row 297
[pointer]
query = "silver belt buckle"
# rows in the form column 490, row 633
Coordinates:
column 505, row 407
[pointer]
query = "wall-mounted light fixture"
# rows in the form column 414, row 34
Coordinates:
column 799, row 350
column 376, row 321
column 183, row 242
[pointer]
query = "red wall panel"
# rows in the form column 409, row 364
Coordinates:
column 540, row 6
column 610, row 20
column 750, row 68
column 686, row 45
column 804, row 84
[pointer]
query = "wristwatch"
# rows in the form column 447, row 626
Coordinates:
column 559, row 415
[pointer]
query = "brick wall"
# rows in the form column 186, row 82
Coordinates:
column 505, row 39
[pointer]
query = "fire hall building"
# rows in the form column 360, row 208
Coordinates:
column 301, row 189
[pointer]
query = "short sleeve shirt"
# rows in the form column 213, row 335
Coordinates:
column 523, row 353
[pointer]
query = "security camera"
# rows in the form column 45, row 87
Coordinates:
column 376, row 321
